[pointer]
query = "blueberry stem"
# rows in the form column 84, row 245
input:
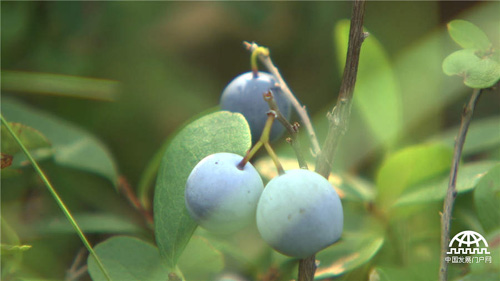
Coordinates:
column 293, row 130
column 253, row 59
column 275, row 158
column 249, row 155
column 301, row 110
column 264, row 140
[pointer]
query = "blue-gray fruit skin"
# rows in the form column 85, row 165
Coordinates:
column 219, row 196
column 299, row 214
column 244, row 95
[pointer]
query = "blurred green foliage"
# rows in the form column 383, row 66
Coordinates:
column 161, row 63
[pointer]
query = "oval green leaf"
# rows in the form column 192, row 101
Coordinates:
column 468, row 35
column 482, row 74
column 30, row 137
column 360, row 242
column 487, row 199
column 149, row 174
column 482, row 135
column 200, row 260
column 38, row 145
column 459, row 62
column 73, row 147
column 127, row 258
column 217, row 132
column 89, row 223
column 376, row 95
column 467, row 179
column 408, row 167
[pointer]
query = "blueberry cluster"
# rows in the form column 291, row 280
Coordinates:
column 297, row 213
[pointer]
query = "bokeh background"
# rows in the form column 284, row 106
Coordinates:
column 173, row 59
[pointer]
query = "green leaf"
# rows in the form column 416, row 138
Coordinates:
column 217, row 132
column 127, row 258
column 347, row 255
column 467, row 178
column 477, row 72
column 408, row 167
column 487, row 199
column 483, row 74
column 482, row 135
column 11, row 249
column 8, row 234
column 73, row 147
column 468, row 35
column 89, row 223
column 56, row 84
column 30, row 137
column 459, row 62
column 200, row 260
column 484, row 276
column 481, row 267
column 359, row 244
column 34, row 141
column 376, row 95
column 150, row 172
column 357, row 189
column 420, row 271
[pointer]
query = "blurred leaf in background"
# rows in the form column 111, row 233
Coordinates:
column 73, row 147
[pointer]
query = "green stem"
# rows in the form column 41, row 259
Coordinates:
column 264, row 140
column 275, row 158
column 253, row 59
column 249, row 155
column 56, row 197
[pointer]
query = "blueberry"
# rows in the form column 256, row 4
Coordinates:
column 244, row 95
column 299, row 213
column 221, row 197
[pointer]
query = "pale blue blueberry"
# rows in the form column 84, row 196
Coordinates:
column 219, row 196
column 299, row 213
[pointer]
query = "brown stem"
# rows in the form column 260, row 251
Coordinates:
column 301, row 110
column 339, row 116
column 293, row 130
column 452, row 191
column 307, row 268
column 124, row 186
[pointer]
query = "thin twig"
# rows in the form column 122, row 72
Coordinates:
column 293, row 130
column 340, row 114
column 77, row 270
column 452, row 191
column 301, row 110
column 127, row 191
column 76, row 263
